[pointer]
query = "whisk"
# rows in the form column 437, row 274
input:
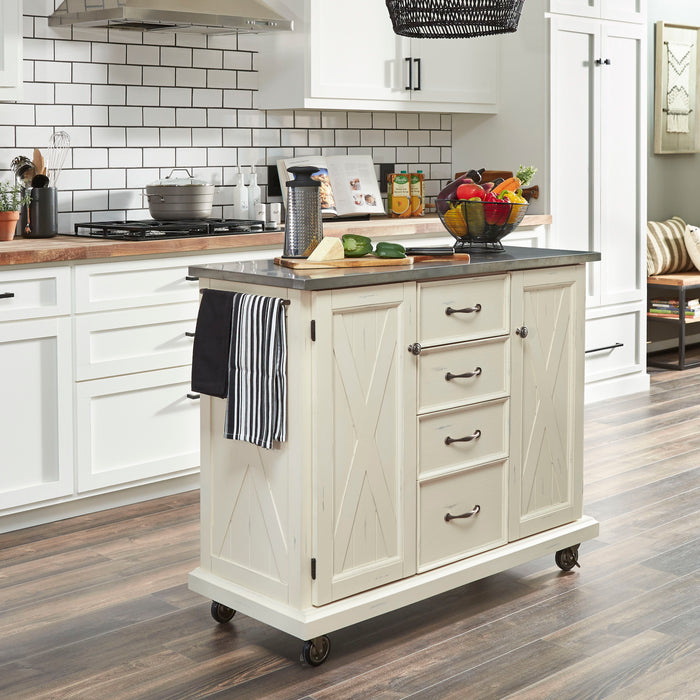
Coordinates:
column 59, row 143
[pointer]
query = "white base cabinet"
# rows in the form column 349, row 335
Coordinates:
column 434, row 437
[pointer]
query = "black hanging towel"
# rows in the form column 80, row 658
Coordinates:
column 454, row 19
column 256, row 410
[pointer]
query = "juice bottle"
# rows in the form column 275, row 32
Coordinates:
column 416, row 193
column 399, row 194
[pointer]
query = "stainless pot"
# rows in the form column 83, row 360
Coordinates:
column 180, row 198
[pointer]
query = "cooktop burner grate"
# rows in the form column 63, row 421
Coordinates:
column 150, row 229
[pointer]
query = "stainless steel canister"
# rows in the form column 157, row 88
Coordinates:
column 303, row 228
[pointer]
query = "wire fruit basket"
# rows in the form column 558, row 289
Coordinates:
column 479, row 225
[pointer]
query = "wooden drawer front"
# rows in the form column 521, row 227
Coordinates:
column 134, row 340
column 436, row 326
column 122, row 285
column 139, row 426
column 601, row 333
column 490, row 419
column 34, row 293
column 441, row 541
column 487, row 360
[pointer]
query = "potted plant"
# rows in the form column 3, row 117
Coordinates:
column 12, row 197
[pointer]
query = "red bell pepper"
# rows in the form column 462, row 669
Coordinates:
column 495, row 210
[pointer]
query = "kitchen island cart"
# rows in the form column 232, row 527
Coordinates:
column 434, row 437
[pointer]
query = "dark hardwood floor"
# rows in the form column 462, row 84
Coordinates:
column 98, row 607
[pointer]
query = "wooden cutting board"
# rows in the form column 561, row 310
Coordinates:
column 367, row 261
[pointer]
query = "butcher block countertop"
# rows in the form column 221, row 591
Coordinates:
column 25, row 251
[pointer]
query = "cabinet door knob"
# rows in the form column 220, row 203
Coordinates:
column 192, row 396
column 473, row 511
column 475, row 373
column 415, row 348
column 469, row 310
column 7, row 295
column 522, row 332
column 189, row 334
column 191, row 278
column 474, row 436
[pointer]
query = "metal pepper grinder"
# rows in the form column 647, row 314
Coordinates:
column 303, row 227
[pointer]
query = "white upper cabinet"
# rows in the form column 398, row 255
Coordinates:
column 10, row 50
column 622, row 10
column 346, row 56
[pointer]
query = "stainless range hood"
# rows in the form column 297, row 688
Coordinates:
column 200, row 16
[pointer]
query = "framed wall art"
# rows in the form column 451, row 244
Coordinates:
column 676, row 89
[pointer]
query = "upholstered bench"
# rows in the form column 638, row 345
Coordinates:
column 679, row 284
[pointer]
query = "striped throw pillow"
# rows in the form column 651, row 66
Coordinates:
column 666, row 251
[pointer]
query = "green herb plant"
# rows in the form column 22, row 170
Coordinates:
column 12, row 197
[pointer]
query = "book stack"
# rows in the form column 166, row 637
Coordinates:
column 668, row 308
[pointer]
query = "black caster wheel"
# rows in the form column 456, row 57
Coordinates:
column 567, row 559
column 315, row 651
column 221, row 613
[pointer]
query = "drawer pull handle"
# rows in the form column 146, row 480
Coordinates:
column 7, row 295
column 466, row 375
column 607, row 347
column 415, row 348
column 189, row 334
column 192, row 396
column 473, row 511
column 474, row 436
column 469, row 310
column 191, row 278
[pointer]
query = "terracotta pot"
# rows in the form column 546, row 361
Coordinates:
column 8, row 224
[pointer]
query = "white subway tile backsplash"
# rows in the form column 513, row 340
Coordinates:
column 108, row 53
column 138, row 104
column 158, row 76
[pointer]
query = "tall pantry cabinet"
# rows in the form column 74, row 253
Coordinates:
column 598, row 177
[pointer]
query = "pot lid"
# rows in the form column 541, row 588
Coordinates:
column 171, row 181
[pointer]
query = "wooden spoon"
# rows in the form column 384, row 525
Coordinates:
column 39, row 164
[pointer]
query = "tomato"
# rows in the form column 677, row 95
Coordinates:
column 469, row 190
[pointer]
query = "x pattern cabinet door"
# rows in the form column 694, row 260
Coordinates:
column 364, row 457
column 547, row 399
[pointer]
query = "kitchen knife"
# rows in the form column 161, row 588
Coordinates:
column 438, row 250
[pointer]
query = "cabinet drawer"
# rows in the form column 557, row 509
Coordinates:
column 486, row 360
column 602, row 334
column 140, row 426
column 34, row 293
column 441, row 541
column 443, row 315
column 487, row 420
column 133, row 340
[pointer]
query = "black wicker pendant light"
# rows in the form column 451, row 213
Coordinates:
column 454, row 19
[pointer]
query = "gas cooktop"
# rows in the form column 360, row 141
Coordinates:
column 150, row 229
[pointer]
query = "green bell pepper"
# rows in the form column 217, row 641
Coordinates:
column 356, row 246
column 385, row 249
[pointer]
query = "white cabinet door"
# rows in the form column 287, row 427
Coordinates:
column 546, row 450
column 622, row 183
column 581, row 8
column 36, row 430
column 136, row 427
column 621, row 10
column 456, row 71
column 343, row 67
column 364, row 446
column 575, row 139
column 10, row 50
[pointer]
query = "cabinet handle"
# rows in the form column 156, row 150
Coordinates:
column 607, row 347
column 190, row 278
column 415, row 348
column 607, row 62
column 469, row 310
column 189, row 334
column 417, row 62
column 599, row 61
column 473, row 511
column 474, row 436
column 522, row 332
column 7, row 295
column 466, row 375
column 192, row 396
column 410, row 74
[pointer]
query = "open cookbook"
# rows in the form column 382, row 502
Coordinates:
column 348, row 183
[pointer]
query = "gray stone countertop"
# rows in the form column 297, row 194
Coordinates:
column 266, row 272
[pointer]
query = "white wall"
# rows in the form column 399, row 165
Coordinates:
column 672, row 179
column 517, row 134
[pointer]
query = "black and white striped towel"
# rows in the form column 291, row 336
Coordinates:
column 256, row 410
